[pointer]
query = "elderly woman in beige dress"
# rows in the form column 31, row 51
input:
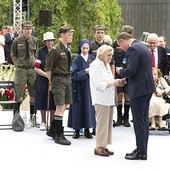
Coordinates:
column 158, row 106
column 102, row 84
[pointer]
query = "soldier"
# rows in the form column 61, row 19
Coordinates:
column 58, row 72
column 23, row 56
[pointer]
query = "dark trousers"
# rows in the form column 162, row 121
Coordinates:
column 140, row 107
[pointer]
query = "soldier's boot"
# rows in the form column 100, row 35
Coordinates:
column 51, row 130
column 60, row 138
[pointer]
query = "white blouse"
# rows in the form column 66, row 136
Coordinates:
column 100, row 76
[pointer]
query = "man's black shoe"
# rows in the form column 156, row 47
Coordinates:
column 133, row 152
column 136, row 156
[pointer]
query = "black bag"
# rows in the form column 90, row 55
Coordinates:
column 17, row 122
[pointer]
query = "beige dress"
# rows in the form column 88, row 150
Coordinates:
column 158, row 106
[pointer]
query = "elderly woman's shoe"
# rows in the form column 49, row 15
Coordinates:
column 101, row 152
column 108, row 151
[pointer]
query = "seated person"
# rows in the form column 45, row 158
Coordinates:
column 158, row 106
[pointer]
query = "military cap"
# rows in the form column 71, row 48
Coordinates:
column 66, row 28
column 27, row 24
column 99, row 27
column 127, row 28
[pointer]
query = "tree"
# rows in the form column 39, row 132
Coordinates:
column 83, row 15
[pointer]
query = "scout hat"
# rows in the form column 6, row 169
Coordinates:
column 27, row 24
column 48, row 36
column 127, row 28
column 66, row 28
column 99, row 27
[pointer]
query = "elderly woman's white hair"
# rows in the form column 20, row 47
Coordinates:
column 102, row 49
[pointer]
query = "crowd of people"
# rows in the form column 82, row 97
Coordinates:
column 124, row 73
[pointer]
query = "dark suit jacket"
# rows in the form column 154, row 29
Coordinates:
column 139, row 70
column 163, row 61
column 8, row 41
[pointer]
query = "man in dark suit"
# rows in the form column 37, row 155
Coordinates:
column 161, row 59
column 140, row 89
column 9, row 37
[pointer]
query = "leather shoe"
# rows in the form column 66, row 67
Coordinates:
column 87, row 134
column 76, row 134
column 126, row 123
column 136, row 156
column 108, row 151
column 101, row 152
column 133, row 152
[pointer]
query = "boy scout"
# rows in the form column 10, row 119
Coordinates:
column 99, row 33
column 58, row 72
column 23, row 56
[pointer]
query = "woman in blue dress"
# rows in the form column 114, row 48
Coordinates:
column 81, row 112
column 41, row 83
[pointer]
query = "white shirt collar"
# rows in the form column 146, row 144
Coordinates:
column 85, row 57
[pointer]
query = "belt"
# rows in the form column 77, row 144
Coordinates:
column 61, row 75
column 25, row 67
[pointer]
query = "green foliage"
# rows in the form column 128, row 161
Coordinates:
column 83, row 15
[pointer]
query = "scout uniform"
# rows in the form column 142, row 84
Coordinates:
column 24, row 50
column 59, row 61
column 95, row 45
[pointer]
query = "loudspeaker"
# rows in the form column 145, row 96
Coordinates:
column 45, row 18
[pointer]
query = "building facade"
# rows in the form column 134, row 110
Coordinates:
column 147, row 16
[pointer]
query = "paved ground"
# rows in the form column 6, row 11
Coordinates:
column 32, row 149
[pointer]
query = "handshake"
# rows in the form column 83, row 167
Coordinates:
column 120, row 82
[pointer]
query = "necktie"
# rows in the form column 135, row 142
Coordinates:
column 153, row 58
column 27, row 50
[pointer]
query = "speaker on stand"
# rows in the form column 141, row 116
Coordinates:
column 45, row 18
